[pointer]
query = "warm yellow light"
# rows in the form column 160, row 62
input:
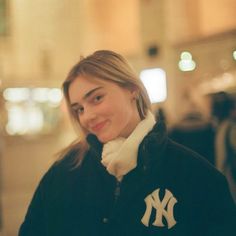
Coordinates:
column 29, row 109
column 55, row 96
column 234, row 55
column 40, row 94
column 186, row 56
column 24, row 120
column 186, row 62
column 16, row 94
column 154, row 81
column 186, row 65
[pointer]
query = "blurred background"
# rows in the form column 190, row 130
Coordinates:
column 184, row 51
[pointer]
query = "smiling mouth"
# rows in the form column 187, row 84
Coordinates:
column 99, row 126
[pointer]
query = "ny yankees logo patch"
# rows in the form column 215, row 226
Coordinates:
column 164, row 208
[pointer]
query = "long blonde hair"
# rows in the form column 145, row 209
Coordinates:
column 104, row 65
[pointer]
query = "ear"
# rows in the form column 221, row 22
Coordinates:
column 134, row 92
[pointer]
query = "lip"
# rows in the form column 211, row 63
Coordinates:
column 98, row 126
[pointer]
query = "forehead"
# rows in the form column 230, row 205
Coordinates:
column 84, row 84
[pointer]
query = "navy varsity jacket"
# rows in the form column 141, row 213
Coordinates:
column 173, row 191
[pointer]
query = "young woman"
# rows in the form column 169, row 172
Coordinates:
column 124, row 176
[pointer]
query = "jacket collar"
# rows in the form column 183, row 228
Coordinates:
column 153, row 145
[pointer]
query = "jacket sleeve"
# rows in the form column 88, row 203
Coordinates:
column 221, row 218
column 34, row 222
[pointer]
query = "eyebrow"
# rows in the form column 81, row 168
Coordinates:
column 88, row 94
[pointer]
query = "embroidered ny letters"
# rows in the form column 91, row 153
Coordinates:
column 163, row 208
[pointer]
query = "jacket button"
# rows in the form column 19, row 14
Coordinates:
column 105, row 220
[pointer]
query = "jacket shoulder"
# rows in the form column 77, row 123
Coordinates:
column 190, row 163
column 60, row 170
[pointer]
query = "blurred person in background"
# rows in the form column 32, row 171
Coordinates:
column 195, row 129
column 160, row 115
column 124, row 176
column 224, row 113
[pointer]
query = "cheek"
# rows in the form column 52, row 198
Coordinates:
column 117, row 108
column 108, row 108
column 122, row 113
column 83, row 125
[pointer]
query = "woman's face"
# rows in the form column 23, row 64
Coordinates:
column 103, row 108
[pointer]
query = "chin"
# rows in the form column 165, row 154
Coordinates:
column 105, row 138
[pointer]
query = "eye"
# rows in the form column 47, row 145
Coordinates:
column 98, row 98
column 79, row 111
